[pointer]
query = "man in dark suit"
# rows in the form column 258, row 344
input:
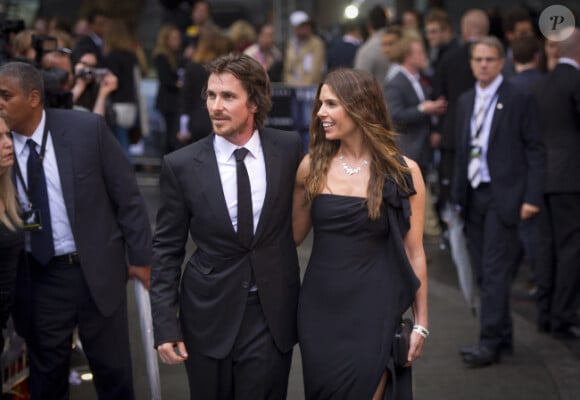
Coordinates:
column 84, row 218
column 238, row 297
column 517, row 22
column 558, row 97
column 453, row 77
column 93, row 42
column 525, row 53
column 408, row 101
column 439, row 35
column 342, row 52
column 499, row 171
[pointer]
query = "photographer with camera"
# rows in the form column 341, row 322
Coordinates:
column 93, row 86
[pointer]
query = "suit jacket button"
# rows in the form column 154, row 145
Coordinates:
column 245, row 284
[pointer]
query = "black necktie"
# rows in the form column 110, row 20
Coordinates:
column 245, row 214
column 41, row 242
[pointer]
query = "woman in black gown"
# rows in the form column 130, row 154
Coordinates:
column 11, row 237
column 365, row 203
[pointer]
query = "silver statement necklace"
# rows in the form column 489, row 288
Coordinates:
column 351, row 171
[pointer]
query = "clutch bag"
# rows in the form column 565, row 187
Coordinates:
column 401, row 342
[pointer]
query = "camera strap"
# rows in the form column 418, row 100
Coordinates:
column 29, row 189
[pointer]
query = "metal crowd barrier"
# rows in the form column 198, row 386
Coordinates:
column 292, row 109
column 13, row 365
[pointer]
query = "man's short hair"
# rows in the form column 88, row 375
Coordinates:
column 253, row 78
column 94, row 13
column 490, row 41
column 377, row 18
column 439, row 16
column 28, row 77
column 524, row 49
column 514, row 15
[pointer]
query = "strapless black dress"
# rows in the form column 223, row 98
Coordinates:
column 357, row 285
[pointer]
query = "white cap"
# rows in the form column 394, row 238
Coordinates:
column 297, row 18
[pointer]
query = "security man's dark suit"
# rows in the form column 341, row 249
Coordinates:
column 515, row 159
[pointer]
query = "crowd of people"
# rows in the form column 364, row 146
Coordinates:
column 494, row 116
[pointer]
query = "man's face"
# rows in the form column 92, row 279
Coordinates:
column 417, row 57
column 99, row 25
column 17, row 107
column 303, row 31
column 266, row 37
column 434, row 34
column 387, row 42
column 486, row 63
column 521, row 28
column 231, row 115
column 410, row 21
column 200, row 13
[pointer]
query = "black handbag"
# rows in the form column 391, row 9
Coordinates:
column 401, row 342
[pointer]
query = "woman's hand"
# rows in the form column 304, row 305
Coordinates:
column 415, row 347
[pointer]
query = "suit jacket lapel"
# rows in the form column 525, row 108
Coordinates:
column 273, row 168
column 467, row 135
column 498, row 112
column 206, row 168
column 426, row 90
column 64, row 161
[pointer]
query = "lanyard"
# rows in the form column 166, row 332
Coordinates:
column 29, row 190
column 479, row 128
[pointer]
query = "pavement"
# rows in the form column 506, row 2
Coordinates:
column 541, row 367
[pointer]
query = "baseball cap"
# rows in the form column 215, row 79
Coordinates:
column 297, row 18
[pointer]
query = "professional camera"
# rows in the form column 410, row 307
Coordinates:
column 90, row 74
column 7, row 27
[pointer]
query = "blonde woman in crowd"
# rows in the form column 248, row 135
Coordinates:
column 242, row 34
column 11, row 235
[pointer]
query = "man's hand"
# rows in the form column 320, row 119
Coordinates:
column 170, row 355
column 143, row 273
column 435, row 107
column 528, row 211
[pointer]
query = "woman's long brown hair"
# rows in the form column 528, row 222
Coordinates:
column 362, row 98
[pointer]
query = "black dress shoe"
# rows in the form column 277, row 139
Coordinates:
column 482, row 357
column 571, row 332
column 507, row 349
column 468, row 349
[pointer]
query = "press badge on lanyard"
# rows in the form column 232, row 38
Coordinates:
column 32, row 218
column 475, row 151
